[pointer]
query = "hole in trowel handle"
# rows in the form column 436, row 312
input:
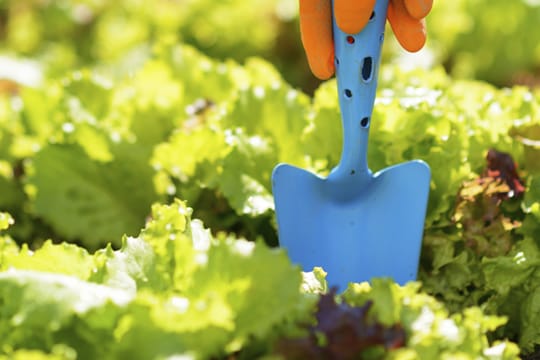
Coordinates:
column 372, row 15
column 367, row 69
column 348, row 93
column 364, row 122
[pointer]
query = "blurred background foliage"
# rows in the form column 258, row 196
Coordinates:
column 492, row 40
column 107, row 107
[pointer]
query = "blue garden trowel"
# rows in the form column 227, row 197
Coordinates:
column 355, row 224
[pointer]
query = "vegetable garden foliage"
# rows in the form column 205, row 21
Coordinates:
column 175, row 291
column 86, row 155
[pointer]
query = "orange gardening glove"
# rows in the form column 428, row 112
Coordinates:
column 405, row 16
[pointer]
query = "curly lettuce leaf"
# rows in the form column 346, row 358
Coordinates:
column 431, row 331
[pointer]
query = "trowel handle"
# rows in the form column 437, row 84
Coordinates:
column 357, row 59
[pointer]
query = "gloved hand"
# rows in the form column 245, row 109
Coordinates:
column 406, row 18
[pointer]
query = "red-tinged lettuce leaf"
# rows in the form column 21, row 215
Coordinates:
column 342, row 332
column 500, row 165
column 485, row 228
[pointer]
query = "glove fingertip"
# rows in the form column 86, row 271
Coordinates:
column 351, row 25
column 323, row 70
column 352, row 16
column 418, row 9
column 412, row 41
column 410, row 32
